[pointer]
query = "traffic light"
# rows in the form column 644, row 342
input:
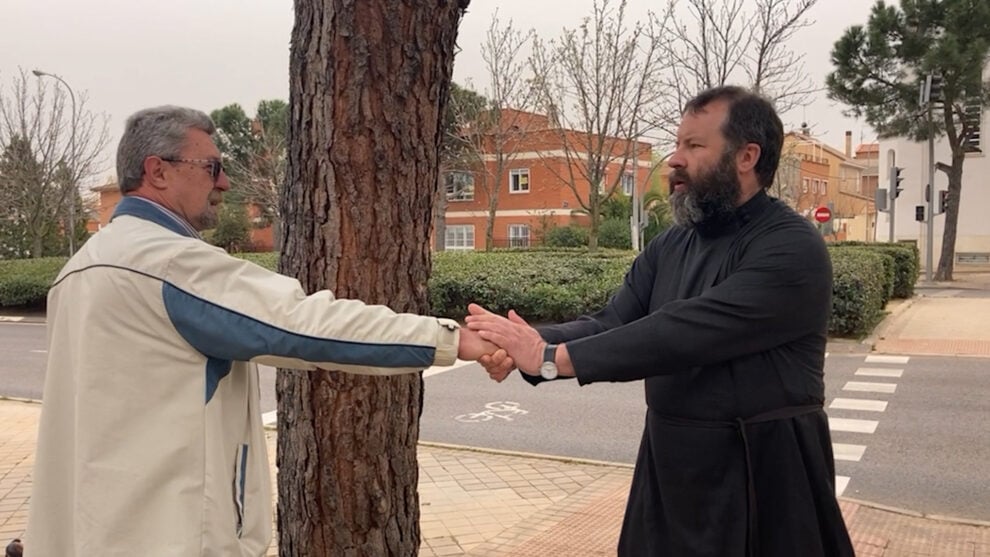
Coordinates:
column 895, row 181
column 943, row 201
column 919, row 213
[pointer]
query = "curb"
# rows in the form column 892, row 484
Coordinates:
column 879, row 332
column 532, row 456
column 21, row 319
column 916, row 514
column 5, row 398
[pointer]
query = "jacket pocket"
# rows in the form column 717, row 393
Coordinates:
column 240, row 477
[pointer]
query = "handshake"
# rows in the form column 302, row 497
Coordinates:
column 501, row 344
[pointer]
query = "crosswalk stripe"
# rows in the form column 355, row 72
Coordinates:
column 880, row 359
column 853, row 453
column 841, row 483
column 860, row 386
column 852, row 426
column 879, row 372
column 859, row 404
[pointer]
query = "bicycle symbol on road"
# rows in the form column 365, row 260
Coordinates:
column 505, row 410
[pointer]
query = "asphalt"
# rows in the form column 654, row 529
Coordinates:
column 477, row 502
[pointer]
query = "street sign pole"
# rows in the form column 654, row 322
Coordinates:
column 929, row 256
column 893, row 202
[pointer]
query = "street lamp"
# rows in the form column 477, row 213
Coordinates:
column 72, row 154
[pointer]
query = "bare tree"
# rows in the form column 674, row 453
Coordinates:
column 736, row 41
column 786, row 182
column 368, row 85
column 499, row 132
column 48, row 148
column 597, row 83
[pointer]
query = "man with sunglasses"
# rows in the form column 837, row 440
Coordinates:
column 151, row 441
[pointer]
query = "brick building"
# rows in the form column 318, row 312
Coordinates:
column 824, row 176
column 539, row 161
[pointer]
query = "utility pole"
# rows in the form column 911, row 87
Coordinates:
column 635, row 218
column 894, row 191
column 930, row 190
column 71, row 162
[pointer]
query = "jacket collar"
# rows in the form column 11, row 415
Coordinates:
column 133, row 206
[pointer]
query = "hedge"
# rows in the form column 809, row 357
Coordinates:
column 907, row 263
column 860, row 287
column 555, row 285
column 540, row 285
column 25, row 282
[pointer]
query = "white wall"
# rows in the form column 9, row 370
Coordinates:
column 973, row 234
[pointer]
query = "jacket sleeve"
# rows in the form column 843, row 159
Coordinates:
column 231, row 309
column 780, row 292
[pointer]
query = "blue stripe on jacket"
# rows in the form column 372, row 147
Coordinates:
column 224, row 335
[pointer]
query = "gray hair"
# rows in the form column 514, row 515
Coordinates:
column 158, row 132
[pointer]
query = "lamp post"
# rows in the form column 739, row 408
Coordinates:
column 72, row 154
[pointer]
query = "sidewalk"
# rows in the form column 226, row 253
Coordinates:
column 488, row 503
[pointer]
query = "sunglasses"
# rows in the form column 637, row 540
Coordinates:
column 215, row 166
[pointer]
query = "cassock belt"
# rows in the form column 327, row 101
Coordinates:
column 740, row 425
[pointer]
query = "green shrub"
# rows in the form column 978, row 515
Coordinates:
column 615, row 234
column 889, row 266
column 860, row 283
column 571, row 236
column 907, row 264
column 541, row 285
column 25, row 282
column 233, row 230
column 268, row 260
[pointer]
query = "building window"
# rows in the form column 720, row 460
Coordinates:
column 824, row 187
column 804, row 184
column 627, row 183
column 460, row 185
column 816, row 186
column 459, row 237
column 518, row 235
column 519, row 180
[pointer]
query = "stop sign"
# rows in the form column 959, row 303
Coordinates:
column 823, row 214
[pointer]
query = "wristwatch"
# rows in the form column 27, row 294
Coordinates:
column 548, row 369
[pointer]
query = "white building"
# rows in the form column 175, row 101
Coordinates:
column 973, row 234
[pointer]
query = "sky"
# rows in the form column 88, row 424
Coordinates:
column 125, row 55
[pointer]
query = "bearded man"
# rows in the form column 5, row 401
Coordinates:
column 724, row 316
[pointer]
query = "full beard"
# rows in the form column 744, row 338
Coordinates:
column 710, row 197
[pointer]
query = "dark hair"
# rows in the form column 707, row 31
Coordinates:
column 752, row 119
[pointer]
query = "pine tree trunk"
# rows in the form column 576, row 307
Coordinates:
column 368, row 85
column 946, row 260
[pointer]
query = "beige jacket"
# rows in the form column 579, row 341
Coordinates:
column 151, row 441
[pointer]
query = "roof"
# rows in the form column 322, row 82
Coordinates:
column 109, row 186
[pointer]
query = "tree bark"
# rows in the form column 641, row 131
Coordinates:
column 368, row 85
column 946, row 260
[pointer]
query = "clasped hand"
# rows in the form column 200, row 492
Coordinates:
column 501, row 344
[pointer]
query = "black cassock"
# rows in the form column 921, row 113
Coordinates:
column 727, row 324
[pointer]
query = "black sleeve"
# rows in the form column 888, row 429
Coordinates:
column 780, row 291
column 629, row 303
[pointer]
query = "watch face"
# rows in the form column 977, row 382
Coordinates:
column 548, row 370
